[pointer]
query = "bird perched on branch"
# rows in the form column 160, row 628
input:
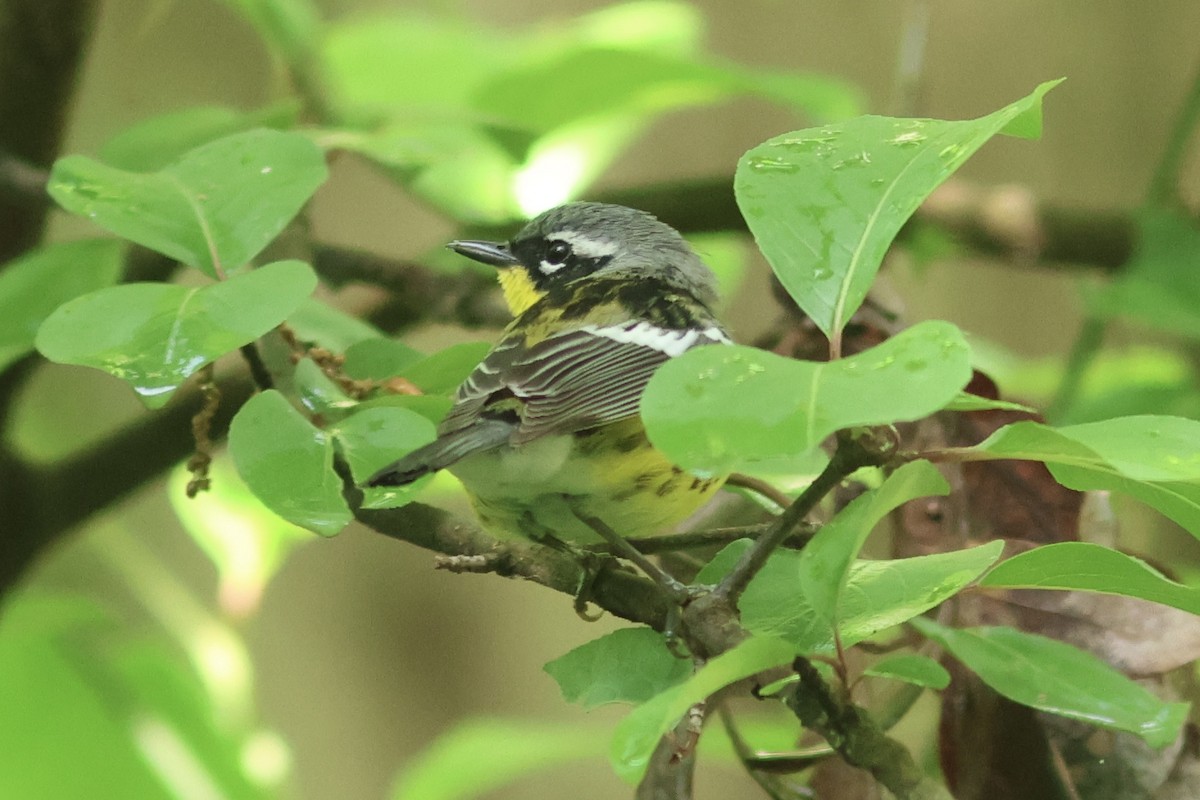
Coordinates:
column 545, row 433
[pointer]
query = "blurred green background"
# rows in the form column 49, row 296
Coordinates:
column 361, row 653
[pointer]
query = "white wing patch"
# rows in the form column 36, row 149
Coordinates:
column 669, row 342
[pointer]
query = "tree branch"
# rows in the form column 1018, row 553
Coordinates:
column 618, row 591
column 856, row 737
column 41, row 47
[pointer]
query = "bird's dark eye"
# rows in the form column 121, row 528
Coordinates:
column 557, row 252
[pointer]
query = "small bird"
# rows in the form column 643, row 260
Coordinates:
column 545, row 433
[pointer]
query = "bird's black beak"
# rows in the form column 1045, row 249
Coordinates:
column 496, row 254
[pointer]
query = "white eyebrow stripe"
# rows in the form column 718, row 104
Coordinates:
column 582, row 245
column 669, row 342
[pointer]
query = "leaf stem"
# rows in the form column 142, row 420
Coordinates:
column 852, row 453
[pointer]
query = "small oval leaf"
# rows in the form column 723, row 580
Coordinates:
column 288, row 464
column 213, row 209
column 154, row 335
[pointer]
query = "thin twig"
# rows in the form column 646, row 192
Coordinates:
column 258, row 368
column 851, row 454
column 759, row 487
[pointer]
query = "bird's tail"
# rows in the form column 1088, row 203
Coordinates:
column 443, row 452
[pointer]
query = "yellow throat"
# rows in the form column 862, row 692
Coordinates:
column 519, row 290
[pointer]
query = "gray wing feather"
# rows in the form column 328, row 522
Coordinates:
column 485, row 434
column 568, row 382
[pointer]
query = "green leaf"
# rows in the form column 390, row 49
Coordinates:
column 824, row 564
column 630, row 665
column 824, row 204
column 480, row 755
column 1157, row 287
column 379, row 359
column 372, row 438
column 244, row 540
column 154, row 335
column 443, row 371
column 638, row 733
column 288, row 464
column 35, row 284
column 882, row 594
column 725, row 409
column 877, row 595
column 911, row 668
column 213, row 209
column 1153, row 458
column 1092, row 568
column 1051, row 676
column 155, row 142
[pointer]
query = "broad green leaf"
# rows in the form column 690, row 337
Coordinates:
column 1158, row 286
column 825, row 203
column 630, row 665
column 35, row 284
column 379, row 359
column 372, row 438
column 288, row 464
column 1051, row 676
column 1092, row 568
column 825, row 562
column 882, row 594
column 724, row 409
column 214, row 209
column 637, row 734
column 87, row 705
column 155, row 142
column 1153, row 458
column 154, row 335
column 245, row 541
column 911, row 668
column 481, row 755
column 443, row 371
column 877, row 595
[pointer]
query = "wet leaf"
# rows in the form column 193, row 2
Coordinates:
column 724, row 409
column 213, row 209
column 288, row 464
column 154, row 335
column 825, row 203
